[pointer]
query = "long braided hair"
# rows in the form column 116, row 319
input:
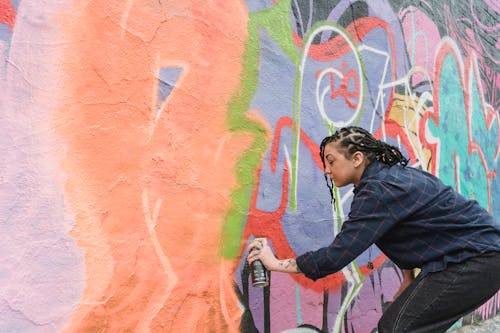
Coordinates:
column 354, row 139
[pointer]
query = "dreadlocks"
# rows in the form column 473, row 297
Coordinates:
column 355, row 139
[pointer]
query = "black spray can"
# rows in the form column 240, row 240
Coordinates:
column 260, row 276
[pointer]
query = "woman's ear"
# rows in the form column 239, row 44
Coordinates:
column 358, row 158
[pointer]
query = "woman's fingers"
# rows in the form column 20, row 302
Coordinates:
column 261, row 241
column 255, row 248
column 257, row 243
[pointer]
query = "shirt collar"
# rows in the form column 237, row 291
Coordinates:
column 370, row 171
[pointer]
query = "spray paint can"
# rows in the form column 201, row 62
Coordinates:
column 260, row 276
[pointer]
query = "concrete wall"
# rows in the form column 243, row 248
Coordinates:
column 144, row 142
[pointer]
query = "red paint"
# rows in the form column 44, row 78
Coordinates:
column 342, row 89
column 338, row 47
column 394, row 130
column 7, row 14
column 268, row 224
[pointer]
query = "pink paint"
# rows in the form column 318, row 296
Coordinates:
column 44, row 267
column 421, row 37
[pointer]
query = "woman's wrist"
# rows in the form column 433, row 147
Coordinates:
column 286, row 266
column 408, row 275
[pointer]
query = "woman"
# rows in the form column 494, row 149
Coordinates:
column 417, row 221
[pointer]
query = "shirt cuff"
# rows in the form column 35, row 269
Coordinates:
column 307, row 265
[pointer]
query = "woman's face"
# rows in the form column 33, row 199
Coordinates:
column 342, row 170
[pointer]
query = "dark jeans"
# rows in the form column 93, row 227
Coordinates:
column 433, row 303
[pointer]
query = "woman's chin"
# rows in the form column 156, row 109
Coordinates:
column 339, row 184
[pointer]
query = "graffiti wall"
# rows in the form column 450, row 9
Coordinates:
column 145, row 143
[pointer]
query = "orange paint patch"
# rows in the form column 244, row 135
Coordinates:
column 150, row 196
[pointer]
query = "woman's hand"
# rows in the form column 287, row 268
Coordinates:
column 259, row 249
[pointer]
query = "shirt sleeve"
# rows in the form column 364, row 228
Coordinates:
column 369, row 219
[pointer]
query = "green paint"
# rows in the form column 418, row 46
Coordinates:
column 484, row 137
column 345, row 304
column 297, row 99
column 356, row 271
column 474, row 183
column 276, row 21
column 453, row 136
column 297, row 302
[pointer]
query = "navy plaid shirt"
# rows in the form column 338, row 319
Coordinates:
column 415, row 219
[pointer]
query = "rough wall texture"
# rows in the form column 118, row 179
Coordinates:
column 143, row 143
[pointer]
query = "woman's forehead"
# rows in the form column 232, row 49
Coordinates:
column 331, row 149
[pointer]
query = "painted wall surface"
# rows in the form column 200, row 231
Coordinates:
column 143, row 143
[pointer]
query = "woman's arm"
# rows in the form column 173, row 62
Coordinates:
column 259, row 249
column 408, row 277
column 288, row 266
